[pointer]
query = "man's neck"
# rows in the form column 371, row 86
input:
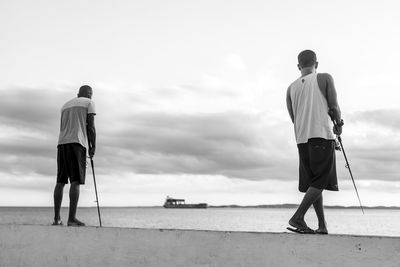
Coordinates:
column 86, row 96
column 306, row 71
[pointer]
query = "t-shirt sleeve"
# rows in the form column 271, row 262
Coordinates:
column 91, row 108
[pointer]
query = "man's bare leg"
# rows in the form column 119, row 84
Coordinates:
column 310, row 197
column 58, row 196
column 73, row 205
column 319, row 210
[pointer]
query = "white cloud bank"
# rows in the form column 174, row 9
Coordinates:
column 147, row 149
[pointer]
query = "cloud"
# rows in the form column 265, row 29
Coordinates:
column 388, row 118
column 33, row 108
column 140, row 134
column 232, row 144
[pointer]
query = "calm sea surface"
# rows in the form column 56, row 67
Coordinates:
column 340, row 221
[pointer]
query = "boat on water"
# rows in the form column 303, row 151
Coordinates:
column 175, row 203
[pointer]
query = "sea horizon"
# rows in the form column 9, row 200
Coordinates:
column 261, row 206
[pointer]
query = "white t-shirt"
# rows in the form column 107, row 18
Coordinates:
column 310, row 110
column 74, row 121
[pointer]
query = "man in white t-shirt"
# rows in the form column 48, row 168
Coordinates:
column 310, row 99
column 77, row 135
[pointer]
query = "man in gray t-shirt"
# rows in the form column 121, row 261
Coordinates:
column 77, row 135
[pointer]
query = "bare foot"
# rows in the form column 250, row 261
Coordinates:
column 321, row 231
column 298, row 223
column 75, row 222
column 57, row 222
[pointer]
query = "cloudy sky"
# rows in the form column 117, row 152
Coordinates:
column 190, row 97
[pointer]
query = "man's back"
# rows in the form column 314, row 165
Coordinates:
column 74, row 120
column 310, row 108
column 77, row 137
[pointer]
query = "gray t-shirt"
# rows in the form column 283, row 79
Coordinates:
column 74, row 120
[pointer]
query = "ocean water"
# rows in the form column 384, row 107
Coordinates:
column 381, row 222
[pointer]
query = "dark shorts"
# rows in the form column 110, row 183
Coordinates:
column 317, row 165
column 71, row 163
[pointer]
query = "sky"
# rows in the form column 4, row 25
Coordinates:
column 190, row 97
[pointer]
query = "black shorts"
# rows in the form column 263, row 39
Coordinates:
column 317, row 165
column 71, row 163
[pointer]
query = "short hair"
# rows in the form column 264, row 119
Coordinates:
column 307, row 58
column 84, row 89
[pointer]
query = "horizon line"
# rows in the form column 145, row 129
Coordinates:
column 286, row 205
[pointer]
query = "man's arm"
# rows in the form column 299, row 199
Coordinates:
column 91, row 132
column 329, row 91
column 289, row 104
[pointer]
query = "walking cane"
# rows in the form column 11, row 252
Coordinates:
column 345, row 158
column 95, row 189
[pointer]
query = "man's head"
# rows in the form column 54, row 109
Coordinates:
column 85, row 91
column 307, row 59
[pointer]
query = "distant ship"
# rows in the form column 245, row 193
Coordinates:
column 174, row 203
